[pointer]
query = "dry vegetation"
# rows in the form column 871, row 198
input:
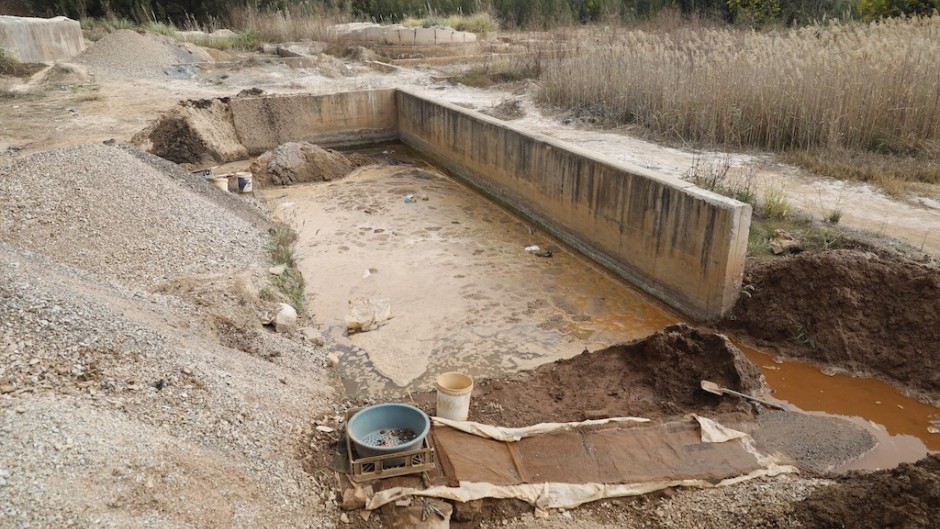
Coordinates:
column 481, row 22
column 835, row 88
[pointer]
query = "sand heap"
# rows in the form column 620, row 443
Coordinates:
column 127, row 54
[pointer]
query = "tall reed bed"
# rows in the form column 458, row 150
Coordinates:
column 294, row 22
column 873, row 87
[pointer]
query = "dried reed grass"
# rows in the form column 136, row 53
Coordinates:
column 295, row 22
column 867, row 87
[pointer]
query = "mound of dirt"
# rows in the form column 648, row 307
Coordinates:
column 199, row 132
column 109, row 212
column 65, row 74
column 907, row 496
column 127, row 54
column 659, row 375
column 848, row 309
column 298, row 162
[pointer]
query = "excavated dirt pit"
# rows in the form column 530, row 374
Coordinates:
column 467, row 296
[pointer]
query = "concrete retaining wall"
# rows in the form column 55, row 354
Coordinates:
column 681, row 244
column 29, row 39
column 337, row 121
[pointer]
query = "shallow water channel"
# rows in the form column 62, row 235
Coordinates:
column 467, row 296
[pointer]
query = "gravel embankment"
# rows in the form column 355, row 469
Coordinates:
column 104, row 210
column 119, row 404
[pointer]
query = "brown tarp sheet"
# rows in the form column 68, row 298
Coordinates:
column 614, row 454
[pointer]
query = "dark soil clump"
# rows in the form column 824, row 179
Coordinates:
column 907, row 496
column 659, row 375
column 849, row 309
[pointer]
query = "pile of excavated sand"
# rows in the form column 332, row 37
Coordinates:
column 300, row 162
column 126, row 54
column 198, row 132
column 106, row 210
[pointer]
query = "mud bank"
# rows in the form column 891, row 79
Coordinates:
column 907, row 496
column 848, row 309
column 655, row 376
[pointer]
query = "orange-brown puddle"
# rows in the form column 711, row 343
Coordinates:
column 900, row 423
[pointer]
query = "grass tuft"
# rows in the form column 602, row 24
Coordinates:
column 290, row 283
column 776, row 205
column 714, row 175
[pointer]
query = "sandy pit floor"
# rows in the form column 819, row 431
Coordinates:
column 464, row 292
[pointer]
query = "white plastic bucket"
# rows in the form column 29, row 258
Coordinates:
column 453, row 395
column 221, row 182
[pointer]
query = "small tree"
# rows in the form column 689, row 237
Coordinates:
column 877, row 9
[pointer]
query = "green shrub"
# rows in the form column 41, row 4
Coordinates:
column 776, row 205
column 877, row 9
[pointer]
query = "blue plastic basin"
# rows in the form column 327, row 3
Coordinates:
column 370, row 423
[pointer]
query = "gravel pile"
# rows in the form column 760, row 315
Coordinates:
column 117, row 409
column 104, row 210
column 119, row 404
column 127, row 54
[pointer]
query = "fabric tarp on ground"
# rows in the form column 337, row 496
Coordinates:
column 567, row 466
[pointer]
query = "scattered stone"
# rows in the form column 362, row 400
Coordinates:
column 277, row 270
column 366, row 314
column 783, row 242
column 344, row 518
column 333, row 359
column 6, row 388
column 286, row 319
column 313, row 336
column 355, row 497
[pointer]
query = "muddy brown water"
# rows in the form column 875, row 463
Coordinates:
column 899, row 423
column 466, row 296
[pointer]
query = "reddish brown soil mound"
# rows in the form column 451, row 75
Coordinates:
column 849, row 309
column 659, row 375
column 907, row 496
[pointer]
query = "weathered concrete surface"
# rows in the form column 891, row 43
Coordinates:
column 332, row 121
column 682, row 244
column 28, row 39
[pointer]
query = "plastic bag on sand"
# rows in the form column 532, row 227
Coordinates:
column 366, row 314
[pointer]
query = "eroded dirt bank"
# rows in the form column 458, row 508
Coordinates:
column 907, row 496
column 849, row 309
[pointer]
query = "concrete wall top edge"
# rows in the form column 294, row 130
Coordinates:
column 315, row 94
column 36, row 20
column 664, row 179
